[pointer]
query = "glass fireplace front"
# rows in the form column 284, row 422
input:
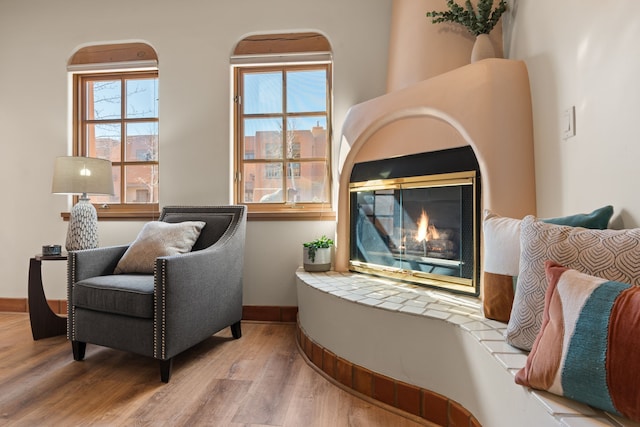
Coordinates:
column 420, row 229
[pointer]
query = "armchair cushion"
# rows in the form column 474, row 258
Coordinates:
column 127, row 294
column 157, row 239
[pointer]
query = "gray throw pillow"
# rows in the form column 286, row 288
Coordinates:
column 158, row 239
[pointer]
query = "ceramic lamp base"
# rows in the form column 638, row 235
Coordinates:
column 83, row 226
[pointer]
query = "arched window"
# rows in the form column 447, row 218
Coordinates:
column 115, row 105
column 282, row 107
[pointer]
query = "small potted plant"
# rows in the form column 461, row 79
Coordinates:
column 317, row 254
column 479, row 23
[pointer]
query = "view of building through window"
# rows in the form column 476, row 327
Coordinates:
column 283, row 135
column 119, row 122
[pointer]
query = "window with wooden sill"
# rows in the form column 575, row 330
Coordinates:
column 282, row 116
column 115, row 117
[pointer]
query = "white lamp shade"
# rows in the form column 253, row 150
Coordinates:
column 82, row 175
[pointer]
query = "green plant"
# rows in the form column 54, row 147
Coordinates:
column 480, row 22
column 322, row 242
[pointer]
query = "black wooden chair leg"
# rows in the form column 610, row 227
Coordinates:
column 165, row 370
column 79, row 349
column 236, row 331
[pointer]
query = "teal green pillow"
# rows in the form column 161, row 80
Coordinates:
column 596, row 220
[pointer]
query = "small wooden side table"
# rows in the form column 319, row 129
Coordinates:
column 44, row 322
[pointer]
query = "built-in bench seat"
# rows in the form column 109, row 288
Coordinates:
column 435, row 342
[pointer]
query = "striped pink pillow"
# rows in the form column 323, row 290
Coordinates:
column 587, row 348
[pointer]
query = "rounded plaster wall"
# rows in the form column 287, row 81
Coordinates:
column 486, row 104
column 419, row 49
column 429, row 353
column 411, row 132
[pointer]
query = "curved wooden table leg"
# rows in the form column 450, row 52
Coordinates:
column 44, row 322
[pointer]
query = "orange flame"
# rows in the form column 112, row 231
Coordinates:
column 426, row 231
column 423, row 225
column 433, row 233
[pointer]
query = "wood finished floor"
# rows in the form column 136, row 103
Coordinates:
column 258, row 380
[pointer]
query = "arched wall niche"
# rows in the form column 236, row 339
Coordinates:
column 409, row 131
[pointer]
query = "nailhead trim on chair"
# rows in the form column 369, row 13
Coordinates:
column 71, row 278
column 159, row 349
column 155, row 312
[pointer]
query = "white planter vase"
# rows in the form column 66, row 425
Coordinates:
column 482, row 48
column 321, row 261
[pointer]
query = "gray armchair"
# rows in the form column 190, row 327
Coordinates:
column 188, row 298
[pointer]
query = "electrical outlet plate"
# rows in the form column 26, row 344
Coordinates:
column 568, row 123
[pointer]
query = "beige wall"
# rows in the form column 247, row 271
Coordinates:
column 193, row 39
column 582, row 53
column 578, row 52
column 419, row 50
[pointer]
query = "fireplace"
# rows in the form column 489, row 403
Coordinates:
column 415, row 218
column 484, row 107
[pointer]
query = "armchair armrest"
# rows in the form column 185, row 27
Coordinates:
column 198, row 294
column 94, row 262
column 88, row 263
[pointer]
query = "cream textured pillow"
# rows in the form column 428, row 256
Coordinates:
column 608, row 254
column 501, row 244
column 502, row 255
column 158, row 239
column 501, row 262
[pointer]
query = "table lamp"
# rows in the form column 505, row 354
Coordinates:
column 82, row 175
